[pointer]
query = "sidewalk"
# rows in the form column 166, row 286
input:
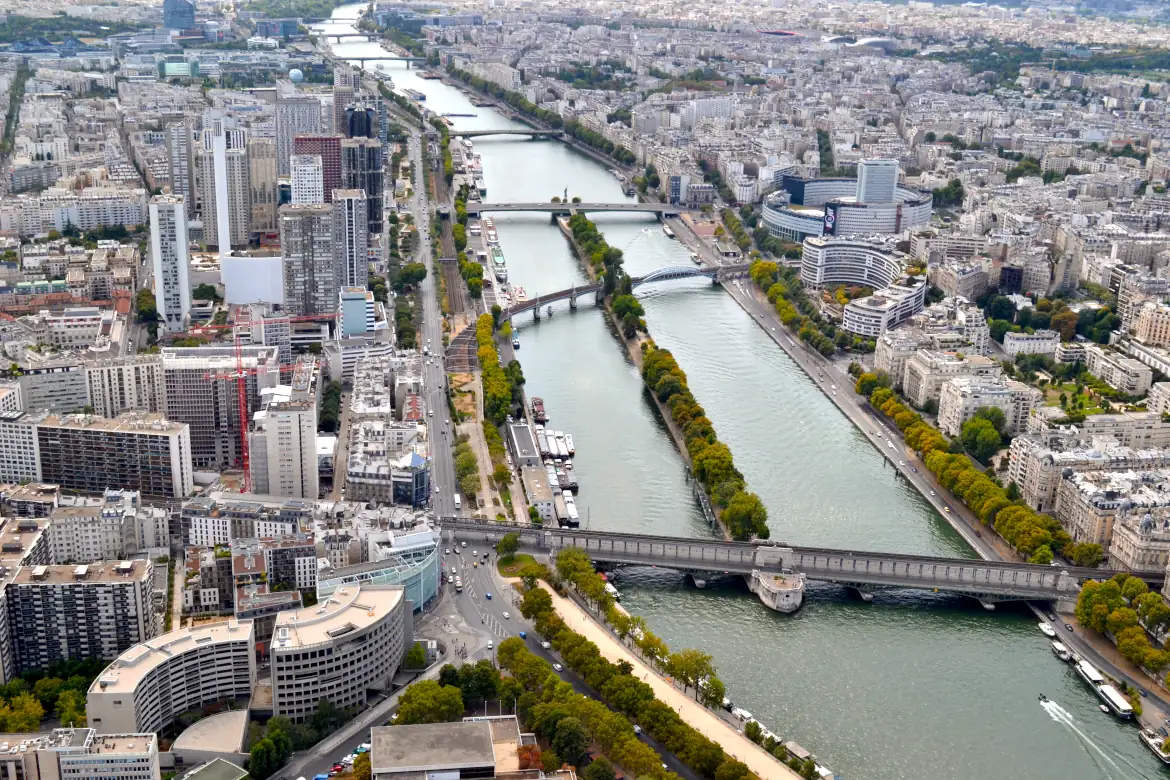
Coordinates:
column 694, row 714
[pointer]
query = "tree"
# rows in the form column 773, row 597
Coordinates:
column 1043, row 555
column 508, row 545
column 416, row 657
column 262, row 759
column 994, row 415
column 571, row 740
column 690, row 667
column 27, row 713
column 449, row 675
column 71, row 708
column 428, row 702
column 361, row 767
column 599, row 769
column 980, row 438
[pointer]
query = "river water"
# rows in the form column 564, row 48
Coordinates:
column 912, row 685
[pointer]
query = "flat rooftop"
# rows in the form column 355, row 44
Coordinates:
column 433, row 746
column 124, row 673
column 121, row 571
column 348, row 609
column 133, row 422
column 121, row 744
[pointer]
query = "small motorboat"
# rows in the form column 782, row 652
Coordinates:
column 1042, row 697
column 1103, row 708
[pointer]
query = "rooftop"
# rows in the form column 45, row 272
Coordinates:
column 130, row 422
column 433, row 746
column 348, row 609
column 124, row 673
column 121, row 571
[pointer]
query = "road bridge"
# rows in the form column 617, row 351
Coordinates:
column 336, row 38
column 514, row 131
column 716, row 273
column 987, row 581
column 658, row 209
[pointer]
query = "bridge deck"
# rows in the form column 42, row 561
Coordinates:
column 987, row 579
column 474, row 207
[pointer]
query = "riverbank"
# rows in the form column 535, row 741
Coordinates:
column 708, row 723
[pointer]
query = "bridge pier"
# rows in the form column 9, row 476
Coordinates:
column 536, row 313
column 698, row 578
column 862, row 592
column 573, row 302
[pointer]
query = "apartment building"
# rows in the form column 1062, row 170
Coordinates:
column 361, row 169
column 283, row 440
column 307, row 179
column 927, row 370
column 351, row 643
column 295, row 115
column 150, row 684
column 960, row 398
column 58, row 613
column 81, row 753
column 1158, row 399
column 309, row 258
column 126, row 384
column 1153, row 324
column 172, row 267
column 116, row 526
column 201, row 391
column 218, row 518
column 20, row 455
column 1119, row 372
column 1042, row 342
column 139, row 451
column 1141, row 532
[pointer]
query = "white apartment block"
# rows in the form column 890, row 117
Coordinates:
column 77, row 612
column 307, row 179
column 11, row 399
column 227, row 188
column 126, row 384
column 961, row 397
column 152, row 683
column 82, row 754
column 1042, row 342
column 1158, row 399
column 926, row 370
column 283, row 448
column 78, row 327
column 351, row 237
column 168, row 253
column 349, row 644
column 20, row 455
column 1122, row 373
column 295, row 115
column 115, row 527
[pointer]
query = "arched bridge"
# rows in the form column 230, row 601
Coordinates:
column 988, row 581
column 660, row 209
column 514, row 131
column 716, row 273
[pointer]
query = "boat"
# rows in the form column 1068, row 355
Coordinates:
column 574, row 519
column 414, row 94
column 1046, row 630
column 1154, row 741
column 569, row 444
column 1115, row 701
column 611, row 590
column 666, row 229
column 481, row 186
column 1061, row 651
column 1089, row 673
column 696, row 259
column 515, row 343
column 498, row 266
column 1042, row 697
column 782, row 592
column 562, row 448
column 538, row 413
column 1103, row 708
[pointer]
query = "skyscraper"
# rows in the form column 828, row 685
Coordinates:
column 328, row 148
column 311, row 274
column 351, row 236
column 877, row 181
column 181, row 162
column 168, row 252
column 262, row 183
column 361, row 169
column 345, row 83
column 295, row 115
column 307, row 181
column 178, row 14
column 361, row 121
column 226, row 184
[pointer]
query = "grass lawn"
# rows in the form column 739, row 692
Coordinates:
column 512, row 568
column 1087, row 397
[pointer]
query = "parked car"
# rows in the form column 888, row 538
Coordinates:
column 558, row 668
column 545, row 645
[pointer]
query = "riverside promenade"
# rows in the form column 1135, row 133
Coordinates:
column 708, row 723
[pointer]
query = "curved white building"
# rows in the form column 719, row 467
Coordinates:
column 871, row 203
column 829, row 262
column 154, row 682
column 339, row 650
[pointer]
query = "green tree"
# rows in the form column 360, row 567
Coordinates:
column 27, row 713
column 980, row 438
column 599, row 769
column 416, row 657
column 71, row 708
column 428, row 702
column 361, row 767
column 1043, row 555
column 994, row 415
column 262, row 759
column 508, row 545
column 690, row 667
column 571, row 740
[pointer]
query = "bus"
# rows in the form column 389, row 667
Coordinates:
column 458, row 503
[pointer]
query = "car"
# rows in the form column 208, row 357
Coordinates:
column 491, row 645
column 431, row 413
column 487, row 596
column 437, row 490
column 932, row 492
column 637, row 729
column 947, row 508
column 465, row 544
column 475, row 564
column 901, row 463
column 450, row 580
column 890, row 444
column 507, row 615
column 339, row 767
column 558, row 668
column 545, row 645
column 523, row 634
column 1068, row 626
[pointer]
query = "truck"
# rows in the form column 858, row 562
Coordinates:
column 458, row 503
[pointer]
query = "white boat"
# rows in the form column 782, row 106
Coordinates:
column 1089, row 673
column 1046, row 630
column 569, row 444
column 1115, row 701
column 1154, row 741
column 1061, row 651
column 666, row 229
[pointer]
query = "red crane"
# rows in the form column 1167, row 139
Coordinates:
column 240, row 376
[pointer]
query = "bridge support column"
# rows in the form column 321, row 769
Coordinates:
column 573, row 302
column 698, row 578
column 987, row 605
column 862, row 593
column 536, row 314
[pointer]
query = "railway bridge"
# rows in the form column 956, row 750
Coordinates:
column 987, row 581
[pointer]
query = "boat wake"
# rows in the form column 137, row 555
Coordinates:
column 1111, row 766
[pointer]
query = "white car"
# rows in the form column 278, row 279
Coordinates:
column 558, row 668
column 507, row 615
column 545, row 645
column 447, row 551
column 491, row 645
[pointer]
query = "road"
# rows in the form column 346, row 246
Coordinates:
column 431, row 339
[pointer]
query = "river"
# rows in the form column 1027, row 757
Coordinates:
column 912, row 685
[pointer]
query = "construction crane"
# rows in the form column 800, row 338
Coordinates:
column 240, row 375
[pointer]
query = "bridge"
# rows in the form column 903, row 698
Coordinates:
column 658, row 209
column 987, row 581
column 533, row 133
column 336, row 38
column 361, row 61
column 716, row 273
